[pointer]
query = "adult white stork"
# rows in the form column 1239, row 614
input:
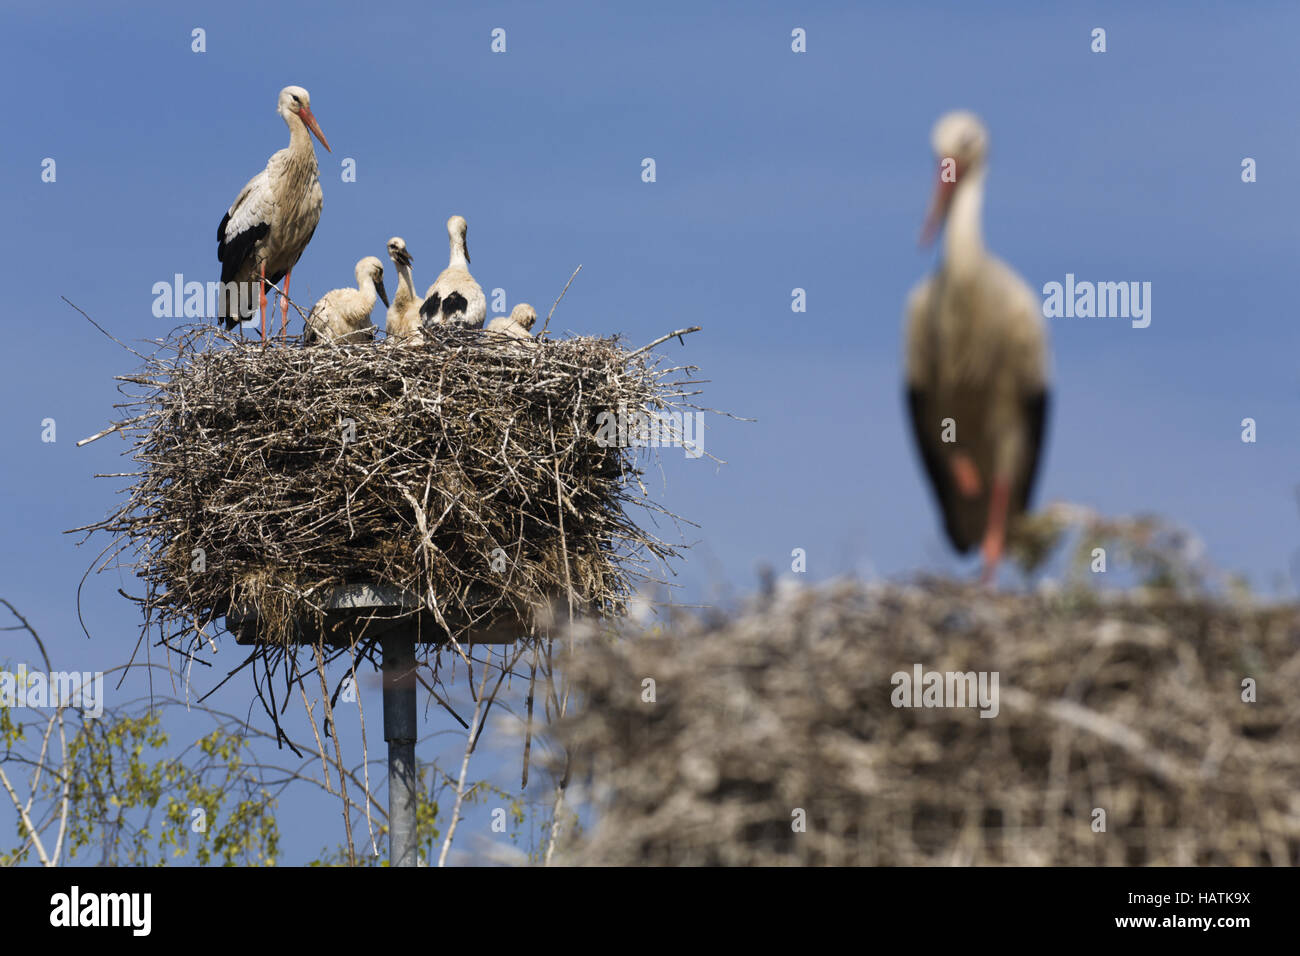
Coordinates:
column 455, row 298
column 343, row 315
column 976, row 360
column 516, row 325
column 403, row 321
column 266, row 229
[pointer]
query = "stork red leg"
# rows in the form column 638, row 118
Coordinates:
column 262, row 301
column 995, row 534
column 284, row 306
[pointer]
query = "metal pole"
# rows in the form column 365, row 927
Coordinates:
column 399, row 731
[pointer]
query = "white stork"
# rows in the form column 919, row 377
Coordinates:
column 976, row 360
column 455, row 298
column 266, row 229
column 343, row 315
column 403, row 320
column 516, row 325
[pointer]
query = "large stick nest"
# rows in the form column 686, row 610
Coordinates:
column 462, row 472
column 1131, row 705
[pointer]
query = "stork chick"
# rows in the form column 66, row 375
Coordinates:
column 514, row 326
column 455, row 298
column 343, row 315
column 403, row 322
column 976, row 360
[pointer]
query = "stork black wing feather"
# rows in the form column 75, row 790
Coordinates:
column 232, row 252
column 429, row 308
column 453, row 304
column 940, row 479
column 1036, row 407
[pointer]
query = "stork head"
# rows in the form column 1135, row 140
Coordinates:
column 523, row 315
column 397, row 252
column 457, row 231
column 960, row 144
column 295, row 101
column 372, row 269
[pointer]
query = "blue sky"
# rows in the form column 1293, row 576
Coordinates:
column 775, row 170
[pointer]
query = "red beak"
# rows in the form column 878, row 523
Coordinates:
column 943, row 190
column 310, row 122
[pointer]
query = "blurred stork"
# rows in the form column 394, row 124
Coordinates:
column 266, row 229
column 976, row 360
column 343, row 315
column 455, row 298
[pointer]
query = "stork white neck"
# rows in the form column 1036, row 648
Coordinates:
column 299, row 138
column 459, row 256
column 963, row 240
column 404, row 279
column 366, row 286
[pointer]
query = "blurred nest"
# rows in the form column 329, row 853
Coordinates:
column 1133, row 706
column 461, row 474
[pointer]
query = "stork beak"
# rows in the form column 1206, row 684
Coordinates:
column 403, row 258
column 379, row 289
column 310, row 122
column 943, row 190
